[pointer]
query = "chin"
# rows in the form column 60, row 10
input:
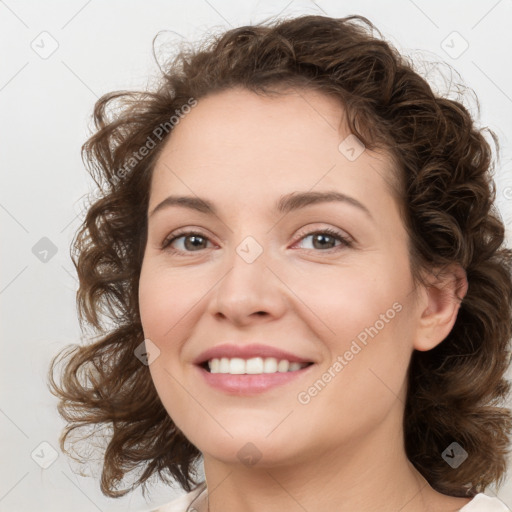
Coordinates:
column 250, row 446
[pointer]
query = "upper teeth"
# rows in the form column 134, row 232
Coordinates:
column 238, row 366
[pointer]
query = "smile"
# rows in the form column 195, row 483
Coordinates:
column 243, row 383
column 253, row 366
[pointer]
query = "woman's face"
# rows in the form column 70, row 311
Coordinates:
column 260, row 280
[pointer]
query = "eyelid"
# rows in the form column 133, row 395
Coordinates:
column 183, row 232
column 337, row 232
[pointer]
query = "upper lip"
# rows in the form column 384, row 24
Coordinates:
column 247, row 352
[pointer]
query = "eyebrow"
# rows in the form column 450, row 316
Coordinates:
column 285, row 204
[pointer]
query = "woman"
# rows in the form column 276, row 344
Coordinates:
column 306, row 282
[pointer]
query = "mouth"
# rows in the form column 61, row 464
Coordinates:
column 252, row 366
column 250, row 369
column 249, row 377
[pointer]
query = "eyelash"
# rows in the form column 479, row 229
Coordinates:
column 345, row 241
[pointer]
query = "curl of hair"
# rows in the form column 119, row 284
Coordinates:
column 456, row 392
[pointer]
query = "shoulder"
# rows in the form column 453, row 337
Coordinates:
column 182, row 503
column 483, row 503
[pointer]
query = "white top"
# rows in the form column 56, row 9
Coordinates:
column 480, row 503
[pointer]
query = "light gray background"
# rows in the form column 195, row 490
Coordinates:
column 46, row 103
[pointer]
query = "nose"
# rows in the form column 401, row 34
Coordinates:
column 248, row 293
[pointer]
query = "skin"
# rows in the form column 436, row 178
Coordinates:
column 343, row 450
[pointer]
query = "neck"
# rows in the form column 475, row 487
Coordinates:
column 372, row 473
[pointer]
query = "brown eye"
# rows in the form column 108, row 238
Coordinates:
column 185, row 242
column 326, row 239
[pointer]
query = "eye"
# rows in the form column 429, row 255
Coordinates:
column 191, row 241
column 325, row 239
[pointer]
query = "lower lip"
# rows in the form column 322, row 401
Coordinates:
column 247, row 384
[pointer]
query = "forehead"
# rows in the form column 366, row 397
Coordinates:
column 237, row 141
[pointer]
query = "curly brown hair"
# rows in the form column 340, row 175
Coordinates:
column 444, row 165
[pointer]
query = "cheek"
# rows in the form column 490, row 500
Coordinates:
column 163, row 300
column 352, row 302
column 162, row 303
column 152, row 301
column 369, row 341
column 362, row 381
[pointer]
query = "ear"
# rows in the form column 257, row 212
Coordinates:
column 442, row 296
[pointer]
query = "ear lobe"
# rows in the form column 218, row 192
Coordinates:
column 443, row 296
